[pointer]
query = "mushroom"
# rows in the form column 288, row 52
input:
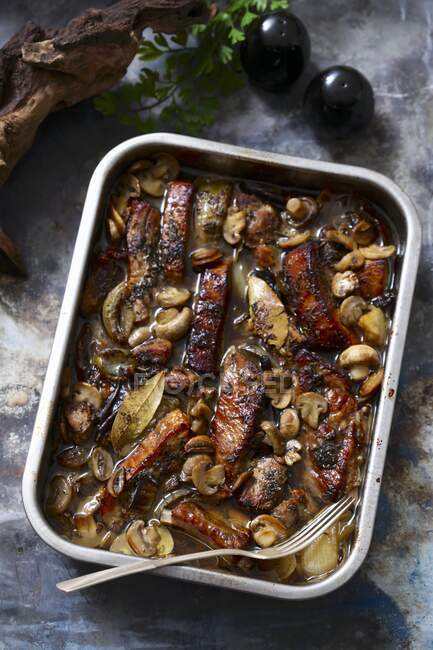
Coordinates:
column 234, row 224
column 273, row 437
column 301, row 209
column 59, row 495
column 364, row 232
column 311, row 405
column 72, row 457
column 201, row 409
column 359, row 359
column 116, row 482
column 143, row 539
column 207, row 479
column 120, row 545
column 283, row 400
column 139, row 335
column 267, row 530
column 340, row 238
column 376, row 252
column 166, row 542
column 292, row 455
column 200, row 445
column 353, row 260
column 203, row 257
column 351, row 310
column 89, row 532
column 80, row 417
column 117, row 316
column 116, row 225
column 374, row 325
column 289, row 423
column 172, row 297
column 199, row 426
column 151, row 185
column 127, row 186
column 275, row 382
column 165, row 167
column 190, row 463
column 294, row 238
column 372, row 383
column 101, row 464
column 115, row 364
column 90, row 504
column 267, row 312
column 83, row 392
column 344, row 283
column 172, row 324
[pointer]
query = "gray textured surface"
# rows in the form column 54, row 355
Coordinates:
column 389, row 603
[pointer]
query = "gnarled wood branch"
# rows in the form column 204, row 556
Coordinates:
column 44, row 70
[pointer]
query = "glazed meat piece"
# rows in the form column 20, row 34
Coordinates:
column 204, row 342
column 314, row 374
column 174, row 230
column 208, row 525
column 210, row 208
column 238, row 409
column 289, row 510
column 105, row 273
column 162, row 449
column 313, row 303
column 373, row 278
column 331, row 464
column 262, row 219
column 142, row 235
column 266, row 486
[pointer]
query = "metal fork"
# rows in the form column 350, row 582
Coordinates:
column 300, row 540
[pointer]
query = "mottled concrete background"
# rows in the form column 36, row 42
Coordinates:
column 389, row 603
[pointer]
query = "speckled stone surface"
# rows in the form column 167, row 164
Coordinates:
column 388, row 604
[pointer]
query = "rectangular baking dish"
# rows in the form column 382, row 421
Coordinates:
column 236, row 161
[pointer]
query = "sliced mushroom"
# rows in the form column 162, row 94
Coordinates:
column 351, row 310
column 199, row 426
column 139, row 335
column 374, row 325
column 273, row 437
column 115, row 364
column 207, row 478
column 278, row 387
column 59, row 495
column 344, row 283
column 364, row 232
column 294, row 238
column 267, row 530
column 200, row 445
column 340, row 238
column 151, row 185
column 172, row 324
column 166, row 543
column 143, row 539
column 359, row 359
column 312, row 406
column 203, row 257
column 289, row 423
column 83, row 392
column 267, row 312
column 89, row 505
column 120, row 545
column 73, row 457
column 283, row 400
column 101, row 464
column 234, row 225
column 353, row 260
column 80, row 417
column 89, row 532
column 116, row 225
column 292, row 455
column 376, row 252
column 165, row 167
column 301, row 209
column 172, row 297
column 372, row 383
column 116, row 482
column 191, row 462
column 127, row 186
column 201, row 409
column 117, row 316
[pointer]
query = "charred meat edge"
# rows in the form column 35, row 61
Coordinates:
column 205, row 338
column 174, row 231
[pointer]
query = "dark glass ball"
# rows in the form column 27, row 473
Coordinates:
column 339, row 101
column 275, row 51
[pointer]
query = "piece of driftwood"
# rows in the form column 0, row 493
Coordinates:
column 44, row 70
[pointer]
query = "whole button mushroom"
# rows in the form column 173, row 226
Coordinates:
column 359, row 360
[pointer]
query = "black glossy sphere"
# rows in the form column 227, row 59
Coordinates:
column 276, row 51
column 339, row 101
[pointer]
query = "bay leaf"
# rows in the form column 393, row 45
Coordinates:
column 136, row 411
